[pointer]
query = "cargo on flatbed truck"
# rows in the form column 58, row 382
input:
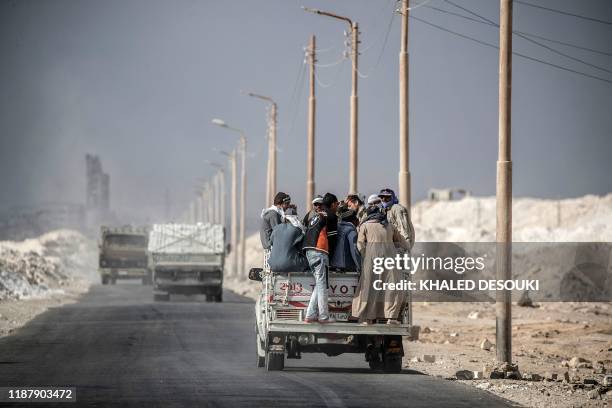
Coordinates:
column 187, row 259
column 280, row 330
column 123, row 254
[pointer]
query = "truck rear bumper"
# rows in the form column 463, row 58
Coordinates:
column 188, row 282
column 124, row 273
column 278, row 326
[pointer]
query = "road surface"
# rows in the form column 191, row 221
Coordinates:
column 119, row 348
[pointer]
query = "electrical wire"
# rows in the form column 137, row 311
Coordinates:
column 579, row 47
column 514, row 53
column 298, row 100
column 334, row 78
column 332, row 64
column 554, row 50
column 382, row 50
column 563, row 12
column 609, row 54
column 418, row 5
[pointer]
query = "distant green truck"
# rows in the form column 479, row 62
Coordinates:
column 123, row 254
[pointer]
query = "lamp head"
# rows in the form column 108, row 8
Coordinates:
column 219, row 122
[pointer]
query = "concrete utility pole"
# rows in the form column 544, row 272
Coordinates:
column 210, row 202
column 312, row 105
column 242, row 148
column 200, row 206
column 353, row 146
column 217, row 201
column 192, row 212
column 242, row 204
column 220, row 186
column 504, row 186
column 404, row 147
column 234, row 210
column 272, row 126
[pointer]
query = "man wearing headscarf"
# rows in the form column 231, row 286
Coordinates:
column 355, row 203
column 397, row 214
column 270, row 217
column 378, row 239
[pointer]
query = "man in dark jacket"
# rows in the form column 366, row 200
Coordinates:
column 286, row 254
column 319, row 243
column 346, row 257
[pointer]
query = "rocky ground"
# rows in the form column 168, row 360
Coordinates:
column 39, row 273
column 571, row 342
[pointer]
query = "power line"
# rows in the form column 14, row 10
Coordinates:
column 531, row 40
column 579, row 47
column 334, row 78
column 609, row 54
column 332, row 64
column 514, row 53
column 382, row 50
column 564, row 12
column 299, row 87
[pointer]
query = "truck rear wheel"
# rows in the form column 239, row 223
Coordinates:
column 392, row 364
column 261, row 356
column 275, row 361
column 147, row 279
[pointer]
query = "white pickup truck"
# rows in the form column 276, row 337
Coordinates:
column 280, row 330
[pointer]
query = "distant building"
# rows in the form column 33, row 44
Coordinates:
column 447, row 194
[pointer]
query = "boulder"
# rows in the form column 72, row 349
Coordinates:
column 428, row 358
column 525, row 300
column 464, row 375
column 486, row 345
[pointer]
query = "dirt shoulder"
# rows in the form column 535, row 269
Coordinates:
column 17, row 313
column 545, row 340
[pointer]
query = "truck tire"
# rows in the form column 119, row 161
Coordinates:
column 219, row 296
column 105, row 279
column 261, row 360
column 275, row 361
column 393, row 351
column 161, row 297
column 392, row 364
column 147, row 280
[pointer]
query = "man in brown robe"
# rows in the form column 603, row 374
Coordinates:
column 377, row 238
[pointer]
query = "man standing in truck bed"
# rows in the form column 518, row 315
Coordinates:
column 319, row 244
column 270, row 217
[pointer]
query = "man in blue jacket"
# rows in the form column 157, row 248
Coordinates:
column 346, row 257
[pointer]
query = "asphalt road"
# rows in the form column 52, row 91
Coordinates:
column 119, row 348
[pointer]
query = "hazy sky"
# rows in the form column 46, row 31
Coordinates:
column 137, row 82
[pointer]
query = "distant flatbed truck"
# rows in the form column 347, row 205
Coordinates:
column 187, row 259
column 123, row 254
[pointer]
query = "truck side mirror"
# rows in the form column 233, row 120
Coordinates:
column 228, row 248
column 255, row 274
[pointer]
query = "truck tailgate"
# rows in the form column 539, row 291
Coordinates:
column 298, row 286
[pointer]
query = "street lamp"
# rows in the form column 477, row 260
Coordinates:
column 223, row 124
column 220, row 187
column 271, row 172
column 354, row 98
